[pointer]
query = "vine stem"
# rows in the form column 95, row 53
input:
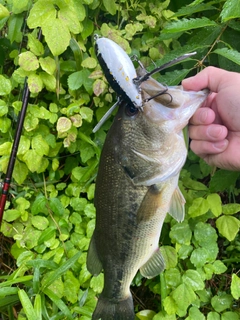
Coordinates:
column 200, row 63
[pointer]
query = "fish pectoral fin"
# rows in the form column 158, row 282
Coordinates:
column 151, row 202
column 176, row 209
column 153, row 266
column 94, row 264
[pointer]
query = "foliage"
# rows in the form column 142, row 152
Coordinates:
column 50, row 215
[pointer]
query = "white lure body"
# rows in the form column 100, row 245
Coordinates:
column 119, row 70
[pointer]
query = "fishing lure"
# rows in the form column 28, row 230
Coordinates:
column 119, row 70
column 121, row 74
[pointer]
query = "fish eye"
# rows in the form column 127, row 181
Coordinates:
column 131, row 110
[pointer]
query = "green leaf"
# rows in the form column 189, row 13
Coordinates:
column 5, row 148
column 223, row 180
column 163, row 316
column 20, row 6
column 230, row 208
column 145, row 314
column 47, row 235
column 24, row 145
column 78, row 204
column 235, row 286
column 14, row 30
column 193, row 279
column 41, row 11
column 35, row 83
column 88, row 28
column 170, row 305
column 56, row 206
column 183, row 295
column 38, row 306
column 96, row 283
column 80, row 10
column 48, row 64
column 172, row 277
column 59, row 303
column 181, row 233
column 56, row 35
column 205, row 234
column 3, row 12
column 7, row 291
column 173, row 78
column 199, row 257
column 229, row 315
column 5, row 124
column 30, row 122
column 63, row 124
column 221, row 302
column 230, row 10
column 36, row 47
column 28, row 61
column 99, row 87
column 20, row 172
column 230, row 54
column 76, row 120
column 170, row 256
column 40, row 145
column 33, row 160
column 49, row 81
column 27, row 305
column 9, row 301
column 110, row 6
column 39, row 204
column 190, row 9
column 228, row 226
column 89, row 63
column 5, row 86
column 187, row 24
column 195, row 314
column 22, row 279
column 71, row 287
column 69, row 16
column 75, row 80
column 87, row 152
column 213, row 316
column 219, row 267
column 11, row 215
column 199, row 207
column 39, row 222
column 3, row 108
column 61, row 270
column 215, row 204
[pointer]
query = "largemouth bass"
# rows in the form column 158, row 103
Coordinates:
column 137, row 184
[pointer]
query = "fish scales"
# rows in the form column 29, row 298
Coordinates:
column 137, row 184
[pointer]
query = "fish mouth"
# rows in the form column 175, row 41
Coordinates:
column 174, row 104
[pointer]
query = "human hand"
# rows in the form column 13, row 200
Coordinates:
column 215, row 127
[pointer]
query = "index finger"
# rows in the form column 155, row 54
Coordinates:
column 211, row 78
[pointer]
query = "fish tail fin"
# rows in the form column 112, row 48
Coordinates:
column 114, row 310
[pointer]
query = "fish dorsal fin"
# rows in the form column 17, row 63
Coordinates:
column 176, row 209
column 94, row 264
column 153, row 266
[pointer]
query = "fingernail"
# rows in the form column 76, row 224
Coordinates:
column 203, row 116
column 220, row 145
column 214, row 131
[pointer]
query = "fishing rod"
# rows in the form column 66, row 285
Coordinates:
column 13, row 156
